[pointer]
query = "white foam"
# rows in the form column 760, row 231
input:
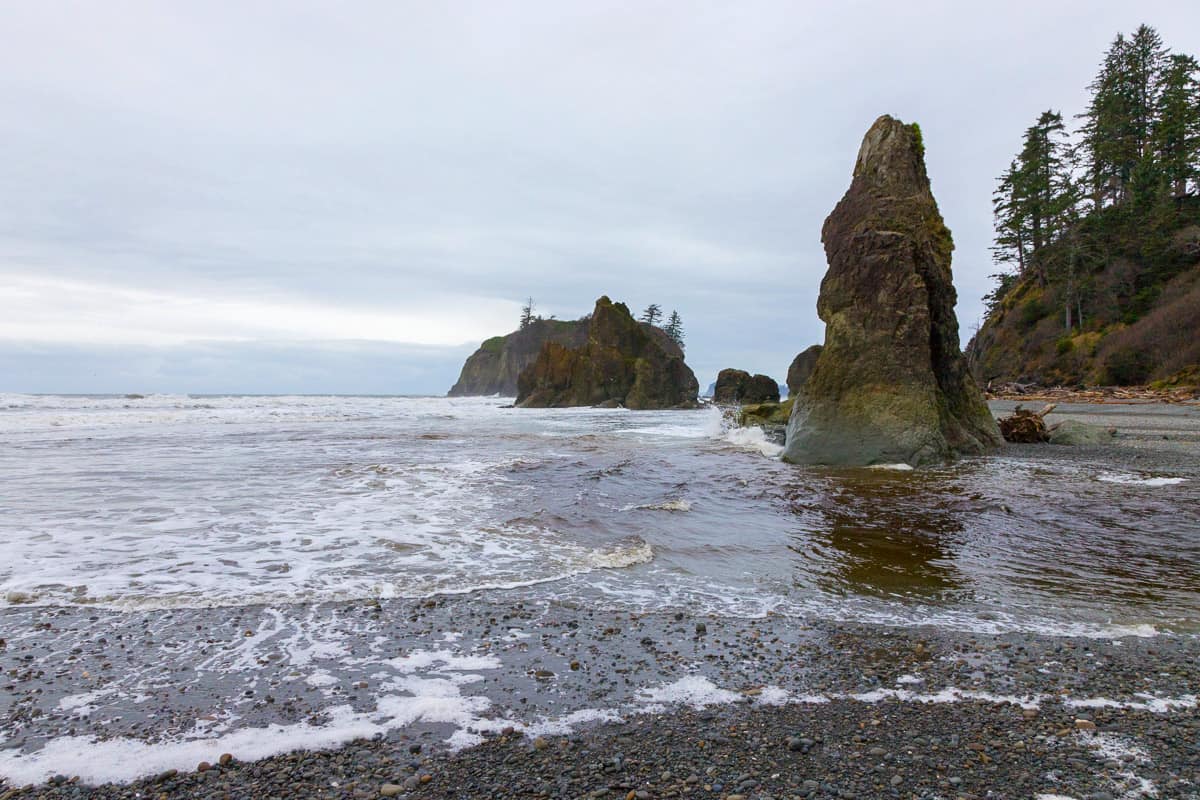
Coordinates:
column 82, row 705
column 442, row 661
column 1137, row 480
column 900, row 467
column 696, row 691
column 753, row 438
column 1106, row 746
column 1148, row 702
column 407, row 698
column 638, row 552
column 678, row 504
column 909, row 679
column 561, row 726
column 773, row 696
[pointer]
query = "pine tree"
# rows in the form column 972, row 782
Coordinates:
column 1105, row 127
column 1120, row 117
column 674, row 328
column 527, row 313
column 1035, row 198
column 1012, row 237
column 1176, row 132
column 652, row 314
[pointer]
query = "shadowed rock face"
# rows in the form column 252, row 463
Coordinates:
column 730, row 385
column 891, row 384
column 621, row 362
column 739, row 386
column 802, row 366
column 495, row 366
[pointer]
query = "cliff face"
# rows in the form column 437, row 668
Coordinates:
column 890, row 384
column 620, row 362
column 494, row 367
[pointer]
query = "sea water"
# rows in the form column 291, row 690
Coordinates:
column 133, row 515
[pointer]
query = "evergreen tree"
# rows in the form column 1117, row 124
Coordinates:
column 1035, row 198
column 652, row 314
column 1176, row 132
column 527, row 313
column 1120, row 117
column 674, row 329
column 1012, row 238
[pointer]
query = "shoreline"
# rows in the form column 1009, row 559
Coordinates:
column 752, row 689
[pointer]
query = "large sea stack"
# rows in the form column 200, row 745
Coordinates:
column 494, row 367
column 621, row 362
column 891, row 384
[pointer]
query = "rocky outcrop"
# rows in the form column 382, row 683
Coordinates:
column 494, row 367
column 620, row 362
column 730, row 385
column 738, row 386
column 890, row 384
column 801, row 368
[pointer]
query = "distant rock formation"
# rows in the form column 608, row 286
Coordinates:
column 494, row 367
column 729, row 386
column 738, row 386
column 801, row 368
column 890, row 384
column 620, row 362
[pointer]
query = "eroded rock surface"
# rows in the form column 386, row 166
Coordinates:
column 738, row 386
column 621, row 362
column 801, row 367
column 891, row 384
column 495, row 366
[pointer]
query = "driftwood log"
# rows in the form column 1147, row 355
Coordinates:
column 1025, row 426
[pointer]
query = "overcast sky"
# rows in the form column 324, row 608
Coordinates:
column 348, row 197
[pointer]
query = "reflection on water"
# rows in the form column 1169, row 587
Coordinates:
column 880, row 534
column 150, row 502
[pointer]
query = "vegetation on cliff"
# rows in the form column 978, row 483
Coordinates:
column 621, row 362
column 1100, row 233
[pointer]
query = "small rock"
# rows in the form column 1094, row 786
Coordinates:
column 1085, row 725
column 225, row 760
column 540, row 743
column 701, row 629
column 390, row 790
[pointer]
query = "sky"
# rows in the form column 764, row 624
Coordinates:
column 305, row 197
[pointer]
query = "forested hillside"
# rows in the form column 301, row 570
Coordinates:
column 1098, row 233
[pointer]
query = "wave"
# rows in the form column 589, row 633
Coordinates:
column 1138, row 480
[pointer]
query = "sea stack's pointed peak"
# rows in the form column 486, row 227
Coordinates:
column 891, row 152
column 890, row 384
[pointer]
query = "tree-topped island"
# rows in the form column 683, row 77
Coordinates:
column 621, row 363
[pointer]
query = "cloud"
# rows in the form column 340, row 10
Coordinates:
column 177, row 173
column 43, row 309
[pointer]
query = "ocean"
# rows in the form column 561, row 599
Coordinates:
column 249, row 543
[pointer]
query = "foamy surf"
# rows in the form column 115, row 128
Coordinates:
column 1138, row 480
column 753, row 439
column 678, row 504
